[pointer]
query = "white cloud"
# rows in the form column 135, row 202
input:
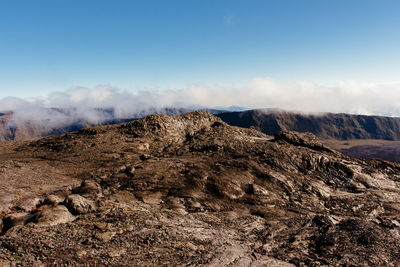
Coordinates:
column 306, row 96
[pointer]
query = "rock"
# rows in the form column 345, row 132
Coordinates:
column 144, row 156
column 28, row 203
column 101, row 225
column 259, row 190
column 81, row 253
column 301, row 139
column 176, row 204
column 89, row 188
column 5, row 263
column 130, row 169
column 122, row 199
column 116, row 252
column 122, row 168
column 227, row 255
column 6, row 201
column 53, row 200
column 150, row 197
column 267, row 261
column 54, row 216
column 143, row 146
column 15, row 219
column 79, row 205
column 105, row 237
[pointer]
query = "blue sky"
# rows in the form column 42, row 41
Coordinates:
column 48, row 46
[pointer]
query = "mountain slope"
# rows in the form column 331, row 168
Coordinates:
column 324, row 126
column 192, row 190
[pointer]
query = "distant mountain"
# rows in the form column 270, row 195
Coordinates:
column 56, row 122
column 324, row 125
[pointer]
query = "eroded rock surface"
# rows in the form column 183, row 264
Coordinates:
column 77, row 204
column 191, row 190
column 54, row 216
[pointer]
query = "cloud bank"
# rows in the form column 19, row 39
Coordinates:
column 84, row 103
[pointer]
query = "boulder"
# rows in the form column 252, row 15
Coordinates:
column 54, row 215
column 77, row 204
column 53, row 199
column 28, row 203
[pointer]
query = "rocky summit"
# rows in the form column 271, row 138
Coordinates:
column 192, row 190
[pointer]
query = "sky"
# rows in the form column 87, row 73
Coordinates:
column 52, row 47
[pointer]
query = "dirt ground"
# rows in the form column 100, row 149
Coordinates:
column 191, row 190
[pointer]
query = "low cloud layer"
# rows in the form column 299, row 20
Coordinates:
column 83, row 103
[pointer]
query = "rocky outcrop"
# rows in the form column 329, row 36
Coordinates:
column 192, row 190
column 301, row 139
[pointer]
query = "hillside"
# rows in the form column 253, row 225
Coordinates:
column 324, row 125
column 192, row 190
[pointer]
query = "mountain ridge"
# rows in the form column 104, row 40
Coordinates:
column 339, row 126
column 335, row 130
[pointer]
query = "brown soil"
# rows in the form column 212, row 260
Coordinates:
column 191, row 190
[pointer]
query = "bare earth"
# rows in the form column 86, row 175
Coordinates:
column 191, row 190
